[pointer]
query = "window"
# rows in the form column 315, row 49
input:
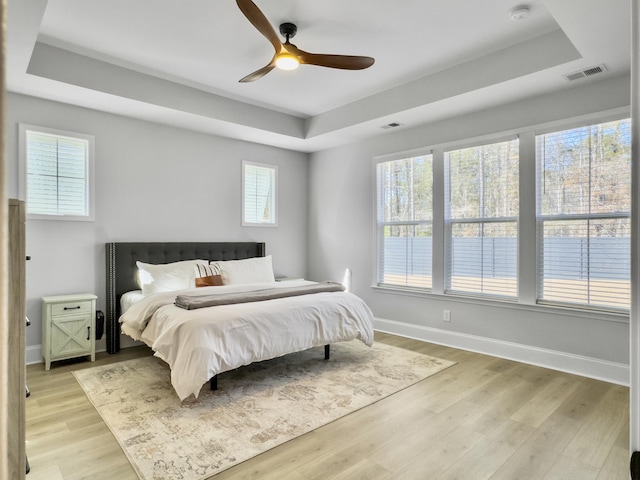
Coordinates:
column 56, row 173
column 405, row 208
column 481, row 219
column 583, row 209
column 259, row 184
column 456, row 222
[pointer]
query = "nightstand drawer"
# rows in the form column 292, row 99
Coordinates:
column 69, row 308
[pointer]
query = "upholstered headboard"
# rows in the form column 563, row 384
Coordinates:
column 121, row 268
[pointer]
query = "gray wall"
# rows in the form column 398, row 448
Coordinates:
column 160, row 183
column 153, row 183
column 342, row 230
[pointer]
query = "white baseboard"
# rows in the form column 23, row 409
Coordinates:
column 611, row 372
column 34, row 354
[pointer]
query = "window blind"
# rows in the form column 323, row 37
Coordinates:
column 583, row 216
column 481, row 219
column 405, row 206
column 57, row 175
column 259, row 194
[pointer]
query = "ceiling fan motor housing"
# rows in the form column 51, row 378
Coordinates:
column 288, row 30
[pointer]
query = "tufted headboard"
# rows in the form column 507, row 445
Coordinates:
column 121, row 268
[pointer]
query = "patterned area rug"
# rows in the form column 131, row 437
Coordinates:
column 254, row 409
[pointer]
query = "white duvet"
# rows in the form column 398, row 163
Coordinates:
column 198, row 344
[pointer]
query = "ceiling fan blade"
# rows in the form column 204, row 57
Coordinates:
column 258, row 73
column 345, row 62
column 258, row 20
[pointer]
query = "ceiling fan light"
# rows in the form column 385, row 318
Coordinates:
column 287, row 62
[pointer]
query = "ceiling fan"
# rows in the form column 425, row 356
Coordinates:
column 287, row 55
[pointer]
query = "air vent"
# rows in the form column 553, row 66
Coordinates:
column 587, row 72
column 392, row 125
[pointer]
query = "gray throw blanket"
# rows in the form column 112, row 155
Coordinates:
column 191, row 302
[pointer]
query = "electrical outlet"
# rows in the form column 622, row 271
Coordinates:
column 446, row 315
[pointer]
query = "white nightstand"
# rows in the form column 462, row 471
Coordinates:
column 68, row 326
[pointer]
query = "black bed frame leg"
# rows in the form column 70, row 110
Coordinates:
column 635, row 466
column 327, row 351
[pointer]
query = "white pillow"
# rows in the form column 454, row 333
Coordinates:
column 251, row 270
column 129, row 298
column 167, row 277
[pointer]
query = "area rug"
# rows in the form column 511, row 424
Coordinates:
column 255, row 408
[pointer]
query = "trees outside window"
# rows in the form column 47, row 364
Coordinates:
column 405, row 209
column 481, row 219
column 583, row 215
column 470, row 199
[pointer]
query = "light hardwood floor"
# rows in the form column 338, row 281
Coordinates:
column 484, row 418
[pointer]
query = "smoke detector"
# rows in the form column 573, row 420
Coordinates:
column 520, row 13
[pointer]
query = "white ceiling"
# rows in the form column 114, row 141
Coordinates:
column 179, row 62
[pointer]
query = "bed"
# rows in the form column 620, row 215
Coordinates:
column 202, row 332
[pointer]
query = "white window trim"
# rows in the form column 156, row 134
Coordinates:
column 22, row 171
column 449, row 222
column 379, row 225
column 541, row 218
column 274, row 223
column 527, row 259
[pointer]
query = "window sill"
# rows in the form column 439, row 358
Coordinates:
column 621, row 317
column 60, row 218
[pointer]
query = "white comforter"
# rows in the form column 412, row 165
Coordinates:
column 198, row 344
